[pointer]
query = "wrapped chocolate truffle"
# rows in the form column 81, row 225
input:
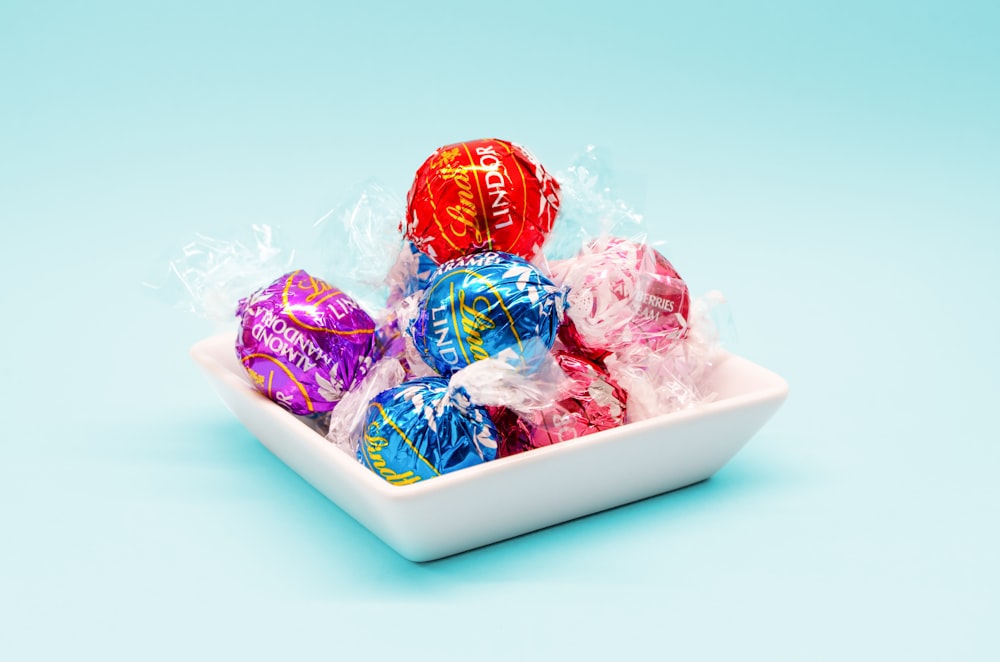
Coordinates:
column 303, row 342
column 479, row 305
column 591, row 402
column 422, row 429
column 481, row 195
column 622, row 293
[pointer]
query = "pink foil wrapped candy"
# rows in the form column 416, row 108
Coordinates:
column 622, row 293
column 591, row 402
column 303, row 342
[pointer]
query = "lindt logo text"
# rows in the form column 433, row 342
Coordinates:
column 372, row 451
column 465, row 215
column 285, row 341
column 320, row 292
column 496, row 180
column 458, row 327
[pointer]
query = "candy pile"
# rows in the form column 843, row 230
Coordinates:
column 483, row 349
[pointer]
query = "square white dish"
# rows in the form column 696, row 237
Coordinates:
column 510, row 496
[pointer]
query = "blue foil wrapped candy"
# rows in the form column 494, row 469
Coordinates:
column 419, row 430
column 479, row 305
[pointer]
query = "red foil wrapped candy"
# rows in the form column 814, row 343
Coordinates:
column 481, row 195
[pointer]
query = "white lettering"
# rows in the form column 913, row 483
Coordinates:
column 284, row 340
column 496, row 185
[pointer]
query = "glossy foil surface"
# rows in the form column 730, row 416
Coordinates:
column 481, row 195
column 479, row 305
column 303, row 342
column 621, row 293
column 419, row 430
column 594, row 403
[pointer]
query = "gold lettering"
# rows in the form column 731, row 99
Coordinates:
column 464, row 214
column 462, row 222
column 474, row 320
column 316, row 288
column 373, row 451
column 444, row 159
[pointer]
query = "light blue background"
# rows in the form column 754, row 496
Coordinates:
column 834, row 168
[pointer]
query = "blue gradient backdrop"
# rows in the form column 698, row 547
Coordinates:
column 833, row 167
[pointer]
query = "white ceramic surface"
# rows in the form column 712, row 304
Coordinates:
column 514, row 495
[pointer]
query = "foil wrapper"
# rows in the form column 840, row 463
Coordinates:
column 422, row 429
column 481, row 305
column 592, row 402
column 303, row 342
column 481, row 195
column 621, row 293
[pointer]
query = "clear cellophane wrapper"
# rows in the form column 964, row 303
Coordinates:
column 209, row 275
column 674, row 377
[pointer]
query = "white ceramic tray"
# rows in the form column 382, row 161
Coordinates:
column 513, row 495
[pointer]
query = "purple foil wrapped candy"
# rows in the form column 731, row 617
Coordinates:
column 304, row 343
